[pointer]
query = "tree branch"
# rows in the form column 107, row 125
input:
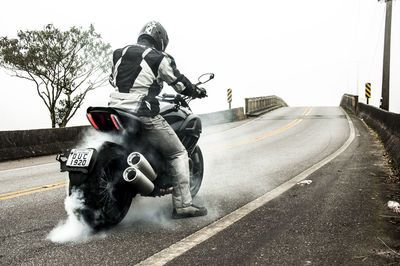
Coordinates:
column 60, row 63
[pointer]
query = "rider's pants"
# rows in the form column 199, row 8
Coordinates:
column 162, row 136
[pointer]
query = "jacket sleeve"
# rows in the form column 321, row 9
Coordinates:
column 117, row 54
column 171, row 75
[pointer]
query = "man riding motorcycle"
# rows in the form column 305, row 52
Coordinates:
column 138, row 73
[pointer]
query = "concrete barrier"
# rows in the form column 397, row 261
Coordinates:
column 221, row 117
column 387, row 125
column 259, row 105
column 350, row 103
column 30, row 143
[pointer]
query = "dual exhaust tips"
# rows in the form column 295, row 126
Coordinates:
column 140, row 174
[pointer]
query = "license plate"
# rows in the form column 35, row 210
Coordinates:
column 79, row 157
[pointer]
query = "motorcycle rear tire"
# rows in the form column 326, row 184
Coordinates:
column 107, row 198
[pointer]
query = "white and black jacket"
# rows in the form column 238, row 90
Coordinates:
column 138, row 74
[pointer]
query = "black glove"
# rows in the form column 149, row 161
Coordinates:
column 201, row 92
column 194, row 91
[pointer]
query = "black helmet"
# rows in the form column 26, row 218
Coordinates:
column 157, row 34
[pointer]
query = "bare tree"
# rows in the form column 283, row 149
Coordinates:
column 64, row 65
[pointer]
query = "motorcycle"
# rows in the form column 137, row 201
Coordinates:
column 109, row 177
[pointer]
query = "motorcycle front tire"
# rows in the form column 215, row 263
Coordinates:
column 196, row 167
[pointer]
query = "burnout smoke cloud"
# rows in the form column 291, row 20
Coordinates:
column 73, row 229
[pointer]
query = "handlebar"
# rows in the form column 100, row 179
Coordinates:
column 176, row 99
column 166, row 95
column 180, row 100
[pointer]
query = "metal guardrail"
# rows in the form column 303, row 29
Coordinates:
column 258, row 105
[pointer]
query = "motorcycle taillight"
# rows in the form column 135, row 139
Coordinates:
column 104, row 121
column 91, row 120
column 116, row 122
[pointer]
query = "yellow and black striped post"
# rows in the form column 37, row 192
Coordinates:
column 368, row 91
column 229, row 94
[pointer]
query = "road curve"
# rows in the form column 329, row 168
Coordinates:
column 243, row 161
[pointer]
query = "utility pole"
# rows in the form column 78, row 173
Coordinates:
column 386, row 57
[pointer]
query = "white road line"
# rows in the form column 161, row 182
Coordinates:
column 26, row 167
column 177, row 249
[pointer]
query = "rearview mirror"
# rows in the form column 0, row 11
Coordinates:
column 205, row 78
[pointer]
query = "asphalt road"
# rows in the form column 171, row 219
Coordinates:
column 328, row 221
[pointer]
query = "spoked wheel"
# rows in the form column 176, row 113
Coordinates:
column 107, row 198
column 196, row 167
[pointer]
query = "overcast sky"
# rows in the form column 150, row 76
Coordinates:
column 307, row 52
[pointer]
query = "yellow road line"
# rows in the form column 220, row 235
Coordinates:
column 307, row 111
column 29, row 191
column 264, row 136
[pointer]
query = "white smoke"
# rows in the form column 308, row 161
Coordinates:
column 144, row 212
column 74, row 229
column 156, row 212
column 95, row 139
column 153, row 211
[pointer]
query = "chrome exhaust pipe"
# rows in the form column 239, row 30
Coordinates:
column 138, row 161
column 138, row 180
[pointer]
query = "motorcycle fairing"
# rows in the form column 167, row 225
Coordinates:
column 189, row 132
